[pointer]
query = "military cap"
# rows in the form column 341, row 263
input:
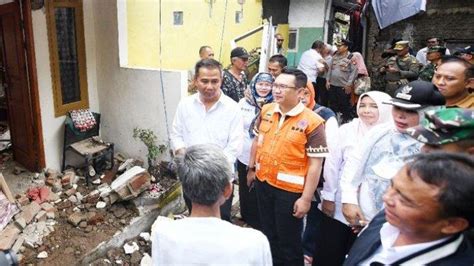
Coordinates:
column 467, row 50
column 416, row 95
column 439, row 49
column 445, row 126
column 400, row 45
column 343, row 42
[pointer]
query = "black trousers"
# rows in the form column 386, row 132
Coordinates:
column 333, row 242
column 247, row 199
column 282, row 229
column 322, row 94
column 312, row 228
column 340, row 102
column 225, row 208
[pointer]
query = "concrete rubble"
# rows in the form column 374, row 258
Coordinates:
column 66, row 199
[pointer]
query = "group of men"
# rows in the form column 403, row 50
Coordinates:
column 433, row 64
column 285, row 165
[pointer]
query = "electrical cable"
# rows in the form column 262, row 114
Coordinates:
column 222, row 32
column 161, row 78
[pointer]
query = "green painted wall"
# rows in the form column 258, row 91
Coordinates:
column 306, row 37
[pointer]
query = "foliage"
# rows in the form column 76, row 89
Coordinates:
column 148, row 137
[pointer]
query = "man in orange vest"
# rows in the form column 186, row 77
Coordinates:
column 285, row 165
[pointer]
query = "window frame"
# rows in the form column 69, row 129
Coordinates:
column 61, row 109
column 296, row 32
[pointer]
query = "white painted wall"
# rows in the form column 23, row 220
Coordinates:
column 5, row 1
column 128, row 97
column 306, row 13
column 52, row 126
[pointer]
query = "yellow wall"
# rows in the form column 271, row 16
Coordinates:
column 180, row 44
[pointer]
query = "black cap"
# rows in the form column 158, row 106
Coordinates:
column 416, row 95
column 467, row 50
column 239, row 52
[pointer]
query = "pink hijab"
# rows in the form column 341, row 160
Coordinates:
column 358, row 61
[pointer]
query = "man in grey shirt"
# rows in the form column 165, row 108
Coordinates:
column 340, row 79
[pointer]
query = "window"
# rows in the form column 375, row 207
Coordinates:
column 178, row 18
column 238, row 17
column 67, row 55
column 293, row 40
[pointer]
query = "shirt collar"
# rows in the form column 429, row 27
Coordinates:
column 389, row 234
column 293, row 112
column 198, row 99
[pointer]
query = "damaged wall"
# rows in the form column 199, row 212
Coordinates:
column 130, row 98
column 450, row 20
column 53, row 126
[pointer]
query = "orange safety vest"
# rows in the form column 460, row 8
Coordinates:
column 281, row 158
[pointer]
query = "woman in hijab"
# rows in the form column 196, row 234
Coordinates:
column 336, row 236
column 260, row 93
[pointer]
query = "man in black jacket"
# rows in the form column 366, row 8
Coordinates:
column 428, row 207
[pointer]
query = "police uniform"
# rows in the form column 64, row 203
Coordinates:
column 407, row 66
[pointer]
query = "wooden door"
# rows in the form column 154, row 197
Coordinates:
column 20, row 111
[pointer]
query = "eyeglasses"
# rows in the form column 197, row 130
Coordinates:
column 281, row 86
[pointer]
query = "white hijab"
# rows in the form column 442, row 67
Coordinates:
column 385, row 111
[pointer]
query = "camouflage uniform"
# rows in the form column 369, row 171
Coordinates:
column 445, row 126
column 427, row 72
column 408, row 68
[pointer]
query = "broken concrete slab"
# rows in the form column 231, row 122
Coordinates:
column 8, row 236
column 131, row 183
column 47, row 207
column 28, row 212
column 174, row 203
column 18, row 244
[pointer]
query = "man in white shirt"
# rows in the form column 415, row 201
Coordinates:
column 311, row 61
column 203, row 238
column 428, row 207
column 209, row 116
column 421, row 55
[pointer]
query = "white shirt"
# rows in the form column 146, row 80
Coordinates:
column 387, row 253
column 207, row 241
column 220, row 125
column 248, row 114
column 335, row 162
column 421, row 55
column 309, row 63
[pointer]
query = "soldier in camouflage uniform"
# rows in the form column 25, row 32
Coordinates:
column 450, row 129
column 400, row 69
column 433, row 55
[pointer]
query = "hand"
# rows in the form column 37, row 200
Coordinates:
column 392, row 69
column 353, row 214
column 382, row 70
column 328, row 207
column 348, row 89
column 301, row 207
column 328, row 85
column 250, row 177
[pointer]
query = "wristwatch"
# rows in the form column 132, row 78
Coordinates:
column 251, row 168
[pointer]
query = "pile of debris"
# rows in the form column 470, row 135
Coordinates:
column 63, row 207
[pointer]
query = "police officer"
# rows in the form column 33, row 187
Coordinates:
column 400, row 69
column 433, row 55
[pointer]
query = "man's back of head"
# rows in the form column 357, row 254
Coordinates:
column 204, row 173
column 204, row 238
